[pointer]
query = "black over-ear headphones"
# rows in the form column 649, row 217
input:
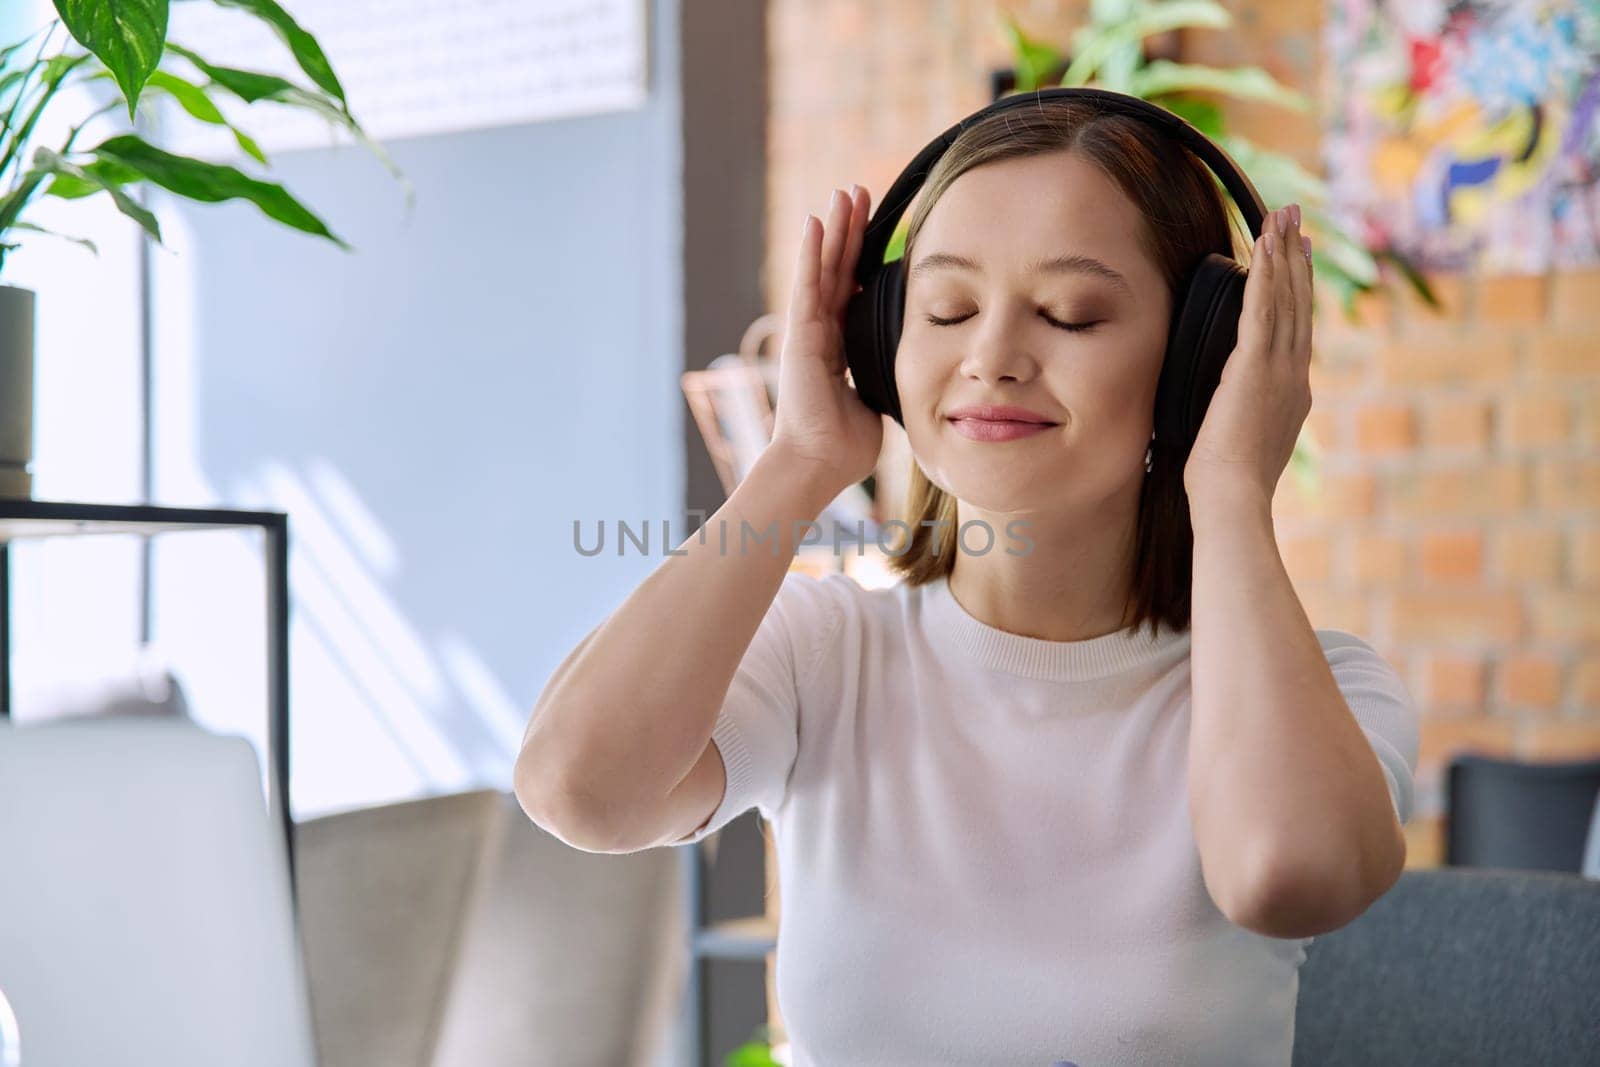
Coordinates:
column 1205, row 316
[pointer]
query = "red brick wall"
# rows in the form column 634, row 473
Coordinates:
column 1458, row 523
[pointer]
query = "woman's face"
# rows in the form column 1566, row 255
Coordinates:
column 1095, row 384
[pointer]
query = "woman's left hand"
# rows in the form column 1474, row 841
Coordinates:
column 1264, row 395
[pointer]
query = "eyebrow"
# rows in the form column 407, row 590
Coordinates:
column 1064, row 264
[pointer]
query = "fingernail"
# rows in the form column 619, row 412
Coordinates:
column 805, row 227
column 854, row 189
column 1305, row 242
column 833, row 201
column 1283, row 221
column 1269, row 241
column 1295, row 211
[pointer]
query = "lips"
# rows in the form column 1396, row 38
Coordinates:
column 998, row 422
column 1000, row 413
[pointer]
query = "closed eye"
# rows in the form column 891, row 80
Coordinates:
column 1071, row 327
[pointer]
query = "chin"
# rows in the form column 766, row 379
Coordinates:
column 999, row 488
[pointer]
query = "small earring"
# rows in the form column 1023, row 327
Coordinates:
column 1148, row 456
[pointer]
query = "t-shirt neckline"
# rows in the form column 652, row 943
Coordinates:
column 950, row 625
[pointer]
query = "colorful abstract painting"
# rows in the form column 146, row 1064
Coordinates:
column 1464, row 134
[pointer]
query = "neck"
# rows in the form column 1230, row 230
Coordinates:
column 1074, row 582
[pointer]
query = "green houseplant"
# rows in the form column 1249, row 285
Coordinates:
column 121, row 46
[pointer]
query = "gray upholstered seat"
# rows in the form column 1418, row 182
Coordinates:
column 1458, row 966
column 452, row 931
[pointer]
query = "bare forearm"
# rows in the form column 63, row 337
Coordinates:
column 1292, row 815
column 626, row 716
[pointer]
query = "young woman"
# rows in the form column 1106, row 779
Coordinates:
column 1028, row 806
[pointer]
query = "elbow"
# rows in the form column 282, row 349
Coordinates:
column 556, row 805
column 530, row 785
column 1292, row 898
column 1288, row 909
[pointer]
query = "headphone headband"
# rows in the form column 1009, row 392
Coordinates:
column 894, row 203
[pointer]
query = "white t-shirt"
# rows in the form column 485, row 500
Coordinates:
column 983, row 839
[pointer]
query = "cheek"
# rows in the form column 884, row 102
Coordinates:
column 918, row 370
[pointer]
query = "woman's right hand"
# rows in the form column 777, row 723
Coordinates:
column 819, row 419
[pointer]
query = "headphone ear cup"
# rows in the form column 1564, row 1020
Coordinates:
column 872, row 335
column 1205, row 328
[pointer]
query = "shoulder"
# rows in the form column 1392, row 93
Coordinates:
column 1333, row 639
column 834, row 599
column 1383, row 706
column 1354, row 660
column 1374, row 688
column 1353, row 653
column 834, row 607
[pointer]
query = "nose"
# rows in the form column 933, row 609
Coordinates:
column 996, row 354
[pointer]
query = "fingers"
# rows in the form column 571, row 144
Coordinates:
column 1276, row 318
column 1259, row 312
column 824, row 277
column 803, row 296
column 1302, row 291
column 833, row 248
column 861, row 203
column 1284, row 248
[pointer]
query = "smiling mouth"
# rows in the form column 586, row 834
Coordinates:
column 1019, row 422
column 998, row 429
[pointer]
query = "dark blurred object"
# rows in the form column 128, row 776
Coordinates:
column 1591, row 851
column 1454, row 967
column 733, row 399
column 1518, row 815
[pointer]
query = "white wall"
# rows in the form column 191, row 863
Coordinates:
column 432, row 410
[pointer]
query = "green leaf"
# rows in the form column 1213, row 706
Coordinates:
column 1304, row 466
column 247, row 85
column 1339, row 248
column 11, row 78
column 84, row 241
column 55, row 70
column 1408, row 270
column 1248, row 83
column 1278, row 177
column 211, row 183
column 1031, row 58
column 12, row 49
column 750, row 1054
column 306, row 51
column 1096, row 44
column 12, row 203
column 100, row 171
column 127, row 36
column 252, row 86
column 193, row 99
column 48, row 162
column 1203, row 115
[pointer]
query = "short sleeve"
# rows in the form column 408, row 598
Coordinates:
column 1384, row 708
column 757, row 729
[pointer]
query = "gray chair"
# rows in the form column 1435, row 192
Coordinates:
column 145, row 918
column 1518, row 815
column 454, row 932
column 1455, row 967
column 383, row 897
column 569, row 958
